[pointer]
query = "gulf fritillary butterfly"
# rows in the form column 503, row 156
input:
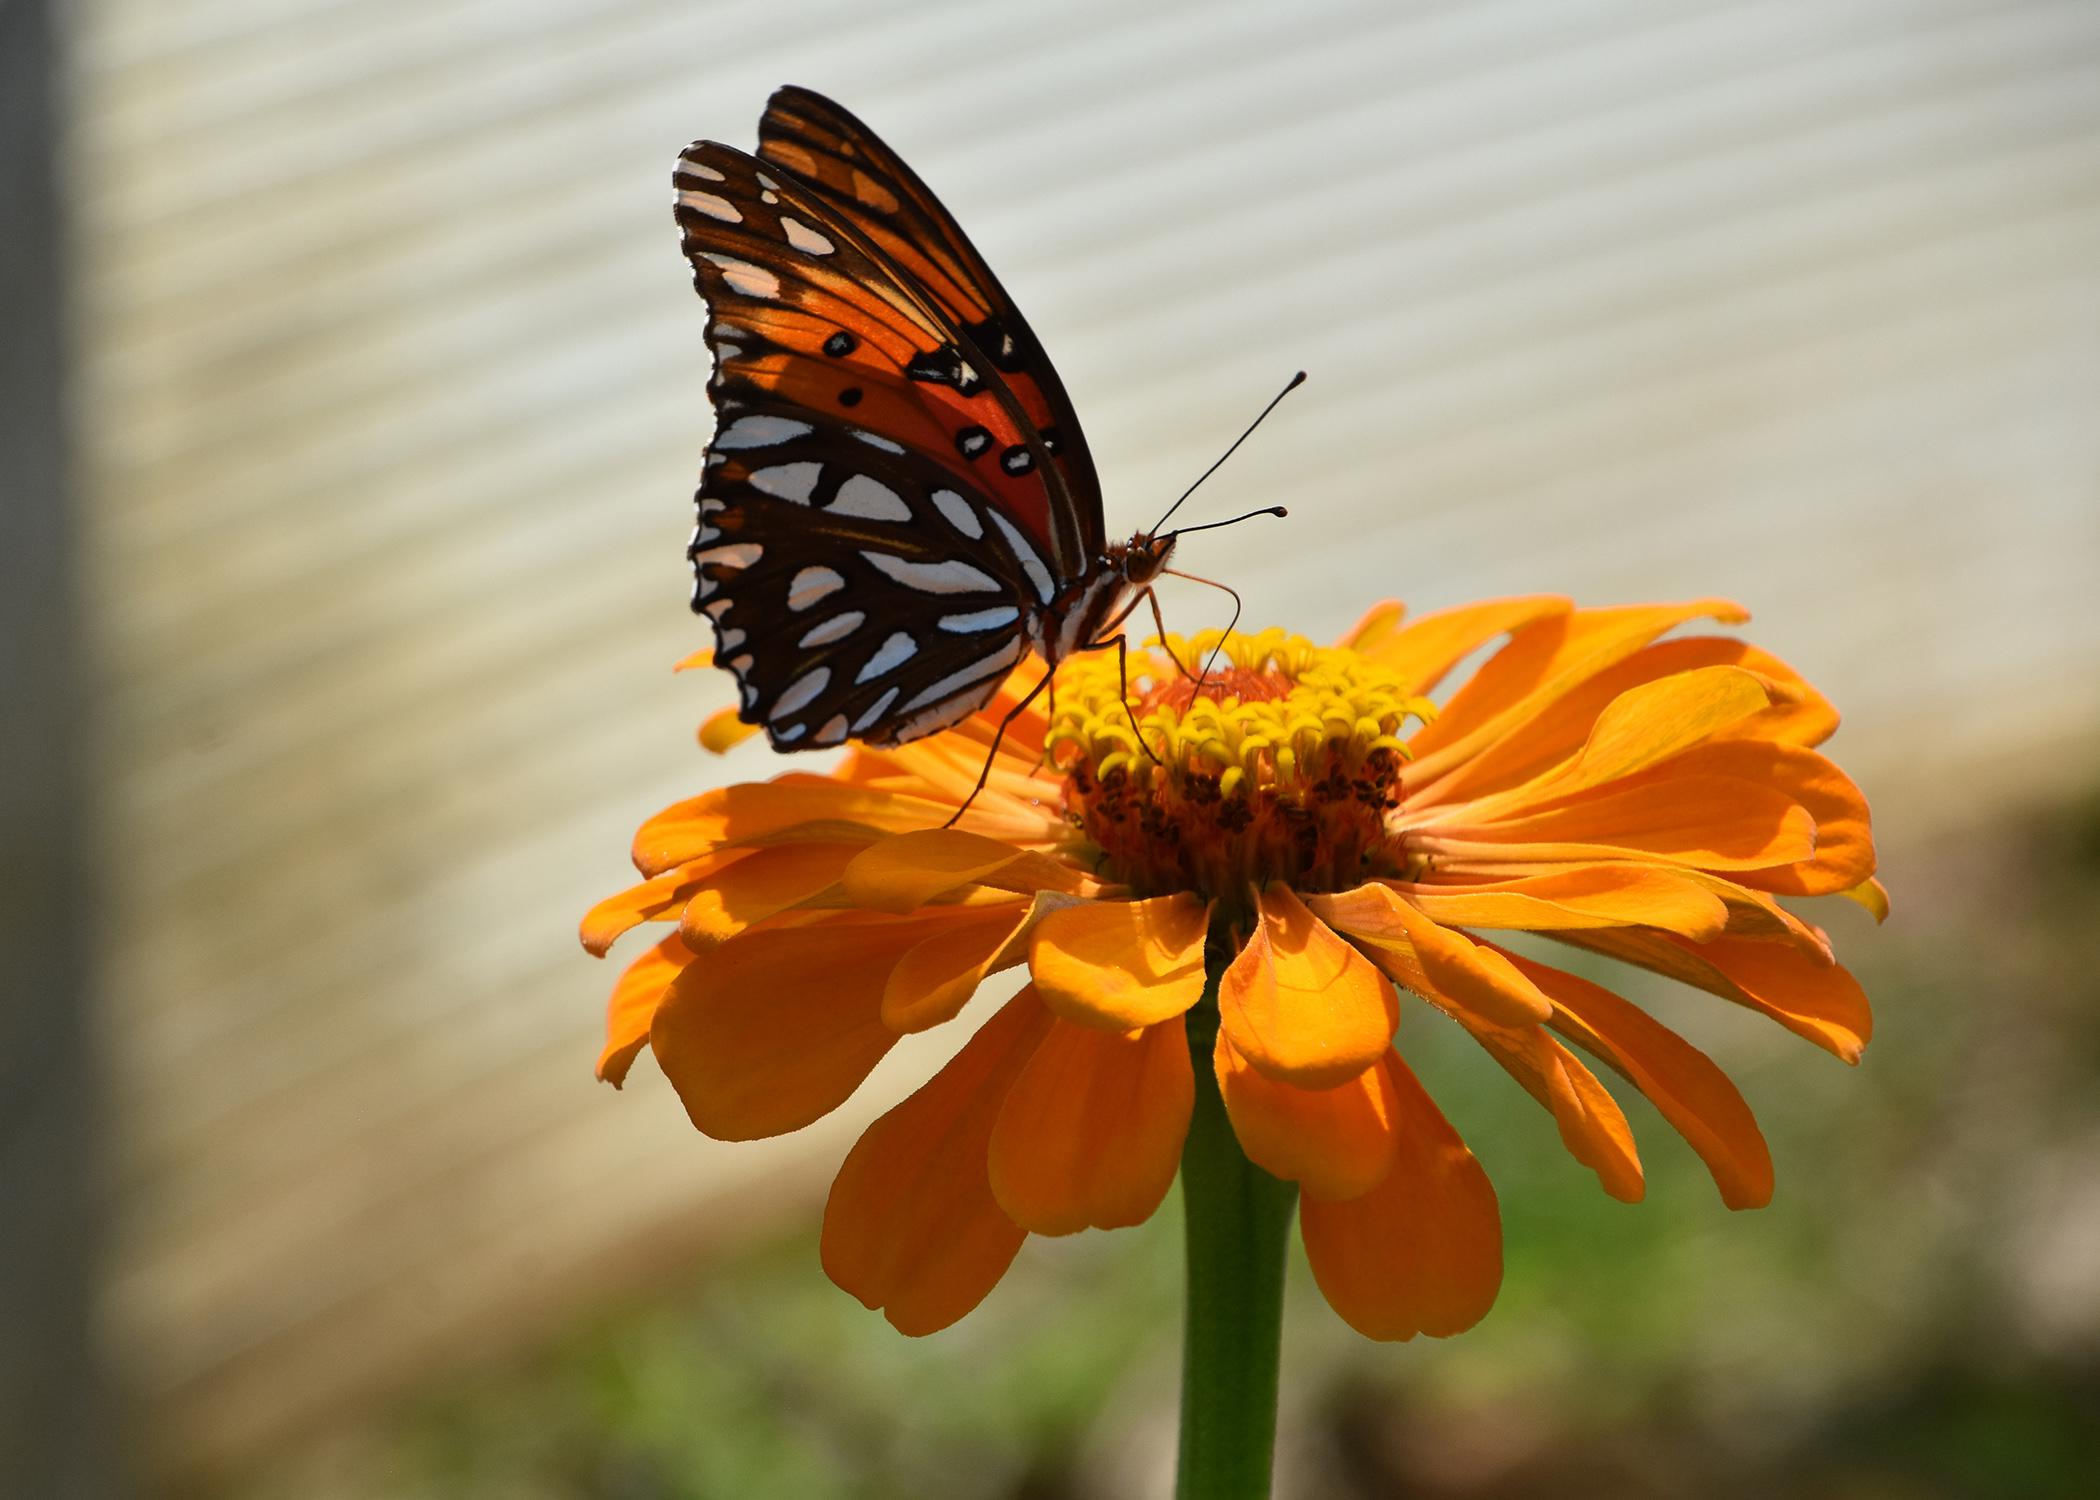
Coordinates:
column 898, row 502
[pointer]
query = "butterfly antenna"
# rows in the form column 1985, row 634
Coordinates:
column 1266, row 510
column 1293, row 384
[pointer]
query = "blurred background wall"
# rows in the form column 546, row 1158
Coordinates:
column 55, row 1421
column 390, row 394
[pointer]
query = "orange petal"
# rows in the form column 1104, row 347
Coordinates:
column 633, row 1006
column 904, row 872
column 722, row 731
column 1682, row 1082
column 1422, row 1251
column 1754, row 914
column 1424, row 956
column 1543, row 661
column 1301, row 1004
column 653, row 900
column 1650, row 723
column 1804, row 717
column 1121, row 964
column 772, row 1030
column 1822, row 1002
column 1613, row 895
column 1374, row 627
column 705, row 657
column 1423, row 651
column 1873, row 895
column 911, row 1226
column 1592, row 1126
column 1337, row 1143
column 1844, row 854
column 764, row 883
column 1712, row 822
column 1018, row 803
column 791, row 808
column 1091, row 1131
column 937, row 977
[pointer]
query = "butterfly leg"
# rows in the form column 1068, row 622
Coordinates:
column 1160, row 621
column 1122, row 645
column 985, row 774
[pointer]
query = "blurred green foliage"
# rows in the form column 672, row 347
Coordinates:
column 1917, row 1315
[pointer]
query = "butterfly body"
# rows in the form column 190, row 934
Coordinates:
column 898, row 504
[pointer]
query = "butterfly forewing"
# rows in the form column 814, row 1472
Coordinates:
column 868, row 185
column 804, row 313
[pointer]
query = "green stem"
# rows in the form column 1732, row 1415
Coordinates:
column 1239, row 1220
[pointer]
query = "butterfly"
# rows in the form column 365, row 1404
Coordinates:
column 898, row 504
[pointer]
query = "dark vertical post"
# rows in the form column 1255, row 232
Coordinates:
column 55, row 1437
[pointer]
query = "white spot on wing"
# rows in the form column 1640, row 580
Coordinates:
column 962, row 677
column 759, row 431
column 833, row 731
column 735, row 555
column 746, row 279
column 961, row 514
column 700, row 169
column 837, row 628
column 875, row 710
column 804, row 238
column 787, row 481
column 799, row 694
column 980, row 619
column 1031, row 564
column 874, row 440
column 951, row 577
column 870, row 500
column 811, row 585
column 709, row 204
column 894, row 653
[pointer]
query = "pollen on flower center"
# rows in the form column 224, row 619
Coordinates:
column 1282, row 767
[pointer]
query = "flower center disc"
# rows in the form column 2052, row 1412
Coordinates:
column 1282, row 767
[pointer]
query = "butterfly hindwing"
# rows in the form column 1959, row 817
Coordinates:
column 857, row 590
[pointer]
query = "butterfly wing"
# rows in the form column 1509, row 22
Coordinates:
column 866, row 184
column 870, row 542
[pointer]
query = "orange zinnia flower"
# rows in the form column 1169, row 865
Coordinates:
column 1316, row 835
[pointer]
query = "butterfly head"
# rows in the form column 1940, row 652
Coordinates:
column 1141, row 559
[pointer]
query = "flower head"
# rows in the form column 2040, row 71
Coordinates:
column 1304, row 827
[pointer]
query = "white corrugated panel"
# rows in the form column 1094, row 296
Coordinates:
column 394, row 388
